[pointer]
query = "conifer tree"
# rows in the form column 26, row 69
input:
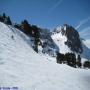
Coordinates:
column 36, row 36
column 79, row 61
column 8, row 21
column 4, row 15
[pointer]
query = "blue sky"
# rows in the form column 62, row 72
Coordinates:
column 48, row 13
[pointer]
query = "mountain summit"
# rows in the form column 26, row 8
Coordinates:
column 68, row 39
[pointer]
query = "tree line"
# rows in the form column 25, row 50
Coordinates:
column 31, row 30
column 5, row 19
column 71, row 60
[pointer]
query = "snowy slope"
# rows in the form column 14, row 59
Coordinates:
column 87, row 42
column 86, row 49
column 21, row 67
column 60, row 40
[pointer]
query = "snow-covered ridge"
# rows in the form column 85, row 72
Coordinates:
column 67, row 38
column 87, row 42
column 59, row 28
column 86, row 49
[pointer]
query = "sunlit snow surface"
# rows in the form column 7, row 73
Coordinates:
column 60, row 40
column 21, row 67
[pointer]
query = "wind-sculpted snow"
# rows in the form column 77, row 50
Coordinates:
column 23, row 68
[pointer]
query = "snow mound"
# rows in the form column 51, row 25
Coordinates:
column 21, row 67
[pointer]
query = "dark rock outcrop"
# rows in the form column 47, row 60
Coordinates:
column 73, row 39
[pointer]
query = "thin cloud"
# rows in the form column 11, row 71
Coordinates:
column 82, row 22
column 55, row 6
column 85, row 33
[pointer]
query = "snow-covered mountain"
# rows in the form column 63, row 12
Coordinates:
column 68, row 39
column 22, row 67
column 60, row 40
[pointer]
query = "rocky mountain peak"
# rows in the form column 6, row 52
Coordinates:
column 73, row 39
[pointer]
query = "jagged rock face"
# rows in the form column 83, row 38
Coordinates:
column 67, row 38
column 73, row 39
